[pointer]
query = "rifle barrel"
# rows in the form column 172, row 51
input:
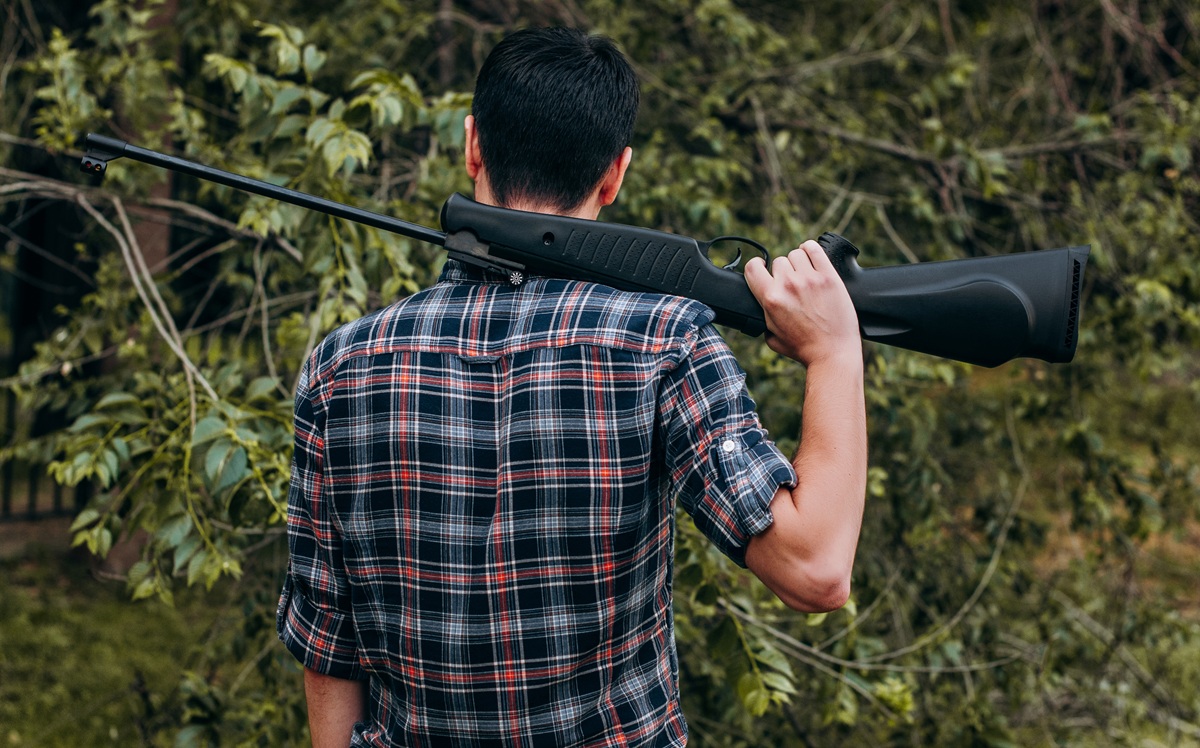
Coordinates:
column 104, row 149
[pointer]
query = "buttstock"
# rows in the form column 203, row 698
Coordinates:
column 983, row 311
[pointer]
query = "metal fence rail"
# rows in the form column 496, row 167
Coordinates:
column 26, row 491
column 37, row 241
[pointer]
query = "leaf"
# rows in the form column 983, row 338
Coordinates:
column 237, row 77
column 356, row 285
column 376, row 76
column 185, row 550
column 289, row 126
column 261, row 387
column 196, row 565
column 779, row 682
column 287, row 52
column 143, row 589
column 347, row 150
column 192, row 736
column 88, row 420
column 773, row 658
column 117, row 398
column 85, row 518
column 100, row 470
column 121, row 449
column 139, row 571
column 723, row 641
column 207, row 428
column 234, row 470
column 215, row 459
column 707, row 594
column 314, row 59
column 103, row 542
column 173, row 531
column 284, row 99
column 752, row 694
column 111, row 464
column 320, row 130
column 389, row 111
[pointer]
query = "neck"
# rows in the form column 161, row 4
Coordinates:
column 589, row 208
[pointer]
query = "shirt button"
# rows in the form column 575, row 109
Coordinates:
column 729, row 445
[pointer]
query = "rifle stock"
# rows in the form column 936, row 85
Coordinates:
column 983, row 311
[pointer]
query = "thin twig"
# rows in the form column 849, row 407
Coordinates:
column 46, row 255
column 233, row 228
column 894, row 236
column 1100, row 632
column 73, row 363
column 863, row 614
column 984, row 581
column 259, row 283
column 800, row 649
column 127, row 252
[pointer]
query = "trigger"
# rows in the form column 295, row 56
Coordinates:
column 741, row 240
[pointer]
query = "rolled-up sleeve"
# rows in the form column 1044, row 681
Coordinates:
column 314, row 619
column 723, row 467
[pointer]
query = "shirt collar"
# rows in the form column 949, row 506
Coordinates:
column 456, row 271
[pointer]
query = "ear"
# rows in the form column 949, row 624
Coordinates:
column 610, row 185
column 474, row 162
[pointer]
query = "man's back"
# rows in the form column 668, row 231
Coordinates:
column 481, row 510
column 495, row 469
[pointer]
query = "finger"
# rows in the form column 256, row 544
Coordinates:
column 781, row 266
column 817, row 257
column 757, row 275
column 799, row 259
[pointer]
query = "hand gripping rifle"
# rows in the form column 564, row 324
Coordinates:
column 982, row 311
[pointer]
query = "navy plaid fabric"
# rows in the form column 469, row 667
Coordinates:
column 481, row 513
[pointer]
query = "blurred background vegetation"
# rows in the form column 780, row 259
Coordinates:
column 1028, row 567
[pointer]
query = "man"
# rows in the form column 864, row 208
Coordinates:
column 485, row 477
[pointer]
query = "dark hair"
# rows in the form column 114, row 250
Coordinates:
column 553, row 107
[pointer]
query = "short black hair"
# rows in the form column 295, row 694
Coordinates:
column 554, row 108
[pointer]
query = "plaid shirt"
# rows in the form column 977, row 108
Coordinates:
column 481, row 513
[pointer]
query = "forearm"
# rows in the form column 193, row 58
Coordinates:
column 334, row 705
column 807, row 554
column 831, row 464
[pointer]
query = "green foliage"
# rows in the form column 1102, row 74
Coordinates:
column 85, row 665
column 1021, row 579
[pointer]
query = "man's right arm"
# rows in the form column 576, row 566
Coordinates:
column 806, row 555
column 334, row 706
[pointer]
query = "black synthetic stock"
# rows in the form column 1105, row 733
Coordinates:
column 626, row 257
column 983, row 311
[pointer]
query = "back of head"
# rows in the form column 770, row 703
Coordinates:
column 554, row 108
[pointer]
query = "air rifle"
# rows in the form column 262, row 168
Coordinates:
column 984, row 311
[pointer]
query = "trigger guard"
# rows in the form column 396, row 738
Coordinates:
column 766, row 255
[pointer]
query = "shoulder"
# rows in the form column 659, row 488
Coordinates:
column 349, row 340
column 477, row 318
column 624, row 319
